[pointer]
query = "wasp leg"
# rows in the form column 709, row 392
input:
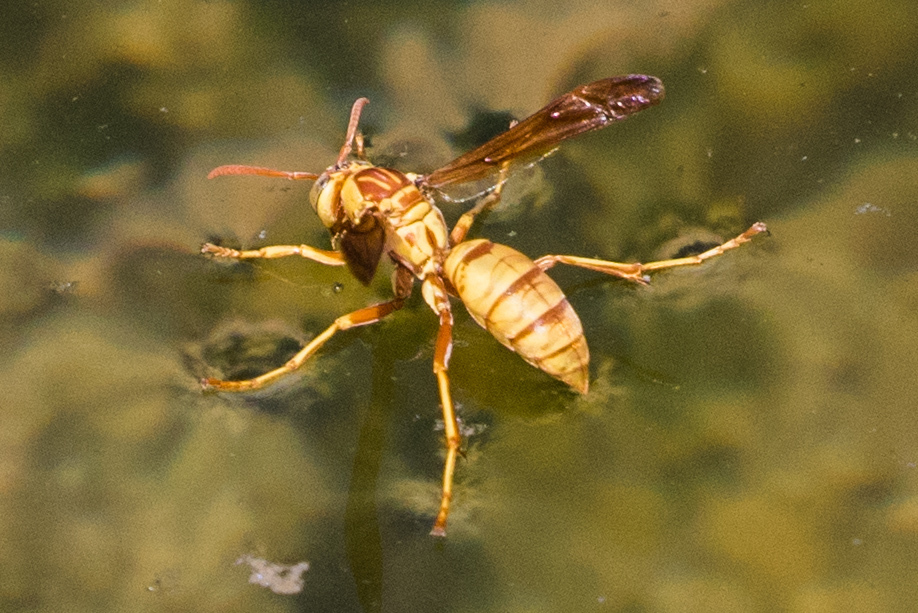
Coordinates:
column 468, row 218
column 450, row 424
column 638, row 272
column 361, row 317
column 322, row 256
column 436, row 296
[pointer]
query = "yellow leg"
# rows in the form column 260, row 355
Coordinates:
column 360, row 317
column 450, row 424
column 468, row 218
column 322, row 256
column 637, row 272
column 435, row 295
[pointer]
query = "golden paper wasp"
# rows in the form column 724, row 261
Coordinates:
column 373, row 212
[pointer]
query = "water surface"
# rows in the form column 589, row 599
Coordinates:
column 749, row 442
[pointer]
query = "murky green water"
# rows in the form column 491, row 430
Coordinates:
column 750, row 439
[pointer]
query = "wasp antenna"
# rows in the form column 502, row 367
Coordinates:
column 236, row 169
column 351, row 129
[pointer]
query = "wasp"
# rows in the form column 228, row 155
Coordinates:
column 374, row 212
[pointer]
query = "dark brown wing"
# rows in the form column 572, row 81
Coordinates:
column 589, row 107
column 362, row 247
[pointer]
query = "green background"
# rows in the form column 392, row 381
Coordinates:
column 750, row 439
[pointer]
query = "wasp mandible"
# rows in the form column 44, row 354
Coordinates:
column 372, row 212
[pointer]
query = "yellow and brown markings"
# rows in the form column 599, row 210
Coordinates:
column 326, row 199
column 522, row 307
column 406, row 205
column 418, row 235
column 376, row 184
column 372, row 212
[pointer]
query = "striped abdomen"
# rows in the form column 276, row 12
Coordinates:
column 514, row 300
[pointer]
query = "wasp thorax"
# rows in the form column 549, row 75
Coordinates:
column 371, row 188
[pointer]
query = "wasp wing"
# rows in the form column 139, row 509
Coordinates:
column 588, row 107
